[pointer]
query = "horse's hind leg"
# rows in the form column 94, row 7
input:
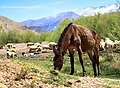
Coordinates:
column 81, row 60
column 71, row 52
column 93, row 62
column 96, row 56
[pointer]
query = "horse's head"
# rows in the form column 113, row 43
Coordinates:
column 58, row 59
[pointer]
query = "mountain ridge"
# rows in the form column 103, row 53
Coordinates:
column 90, row 11
column 51, row 22
column 8, row 24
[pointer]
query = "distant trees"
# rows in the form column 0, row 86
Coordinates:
column 106, row 25
column 17, row 36
column 28, row 36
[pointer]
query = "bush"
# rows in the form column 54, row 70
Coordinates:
column 17, row 36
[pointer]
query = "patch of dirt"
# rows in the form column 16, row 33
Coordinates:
column 86, row 82
column 9, row 71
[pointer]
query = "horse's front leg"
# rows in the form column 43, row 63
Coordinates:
column 71, row 52
column 81, row 60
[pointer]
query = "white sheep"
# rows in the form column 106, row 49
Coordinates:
column 116, row 44
column 34, row 48
column 108, row 43
column 10, row 54
column 37, row 44
column 51, row 44
column 102, row 45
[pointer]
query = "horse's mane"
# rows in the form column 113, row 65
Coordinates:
column 61, row 36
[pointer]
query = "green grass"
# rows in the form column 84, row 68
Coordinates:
column 46, row 65
column 111, row 83
column 108, row 72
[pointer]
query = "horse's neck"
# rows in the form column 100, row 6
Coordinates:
column 62, row 49
column 65, row 43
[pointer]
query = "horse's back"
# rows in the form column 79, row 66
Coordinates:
column 89, row 38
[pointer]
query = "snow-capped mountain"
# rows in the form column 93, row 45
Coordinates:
column 90, row 11
column 50, row 23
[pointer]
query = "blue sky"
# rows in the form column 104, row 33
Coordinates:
column 21, row 10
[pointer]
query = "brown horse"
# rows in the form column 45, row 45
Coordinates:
column 83, row 40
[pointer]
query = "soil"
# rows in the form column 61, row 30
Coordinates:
column 10, row 70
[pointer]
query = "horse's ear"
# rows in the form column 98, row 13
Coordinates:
column 54, row 49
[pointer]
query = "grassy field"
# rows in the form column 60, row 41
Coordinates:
column 110, row 70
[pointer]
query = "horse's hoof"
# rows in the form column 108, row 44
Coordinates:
column 71, row 73
column 99, row 75
column 95, row 75
column 55, row 72
column 84, row 74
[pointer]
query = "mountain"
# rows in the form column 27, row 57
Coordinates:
column 50, row 23
column 90, row 11
column 8, row 24
column 38, row 29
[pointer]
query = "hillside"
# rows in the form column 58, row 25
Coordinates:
column 38, row 29
column 8, row 24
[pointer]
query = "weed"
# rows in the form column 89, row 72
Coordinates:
column 24, row 70
column 46, row 66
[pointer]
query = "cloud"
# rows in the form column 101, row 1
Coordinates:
column 19, row 7
column 31, row 7
column 54, row 3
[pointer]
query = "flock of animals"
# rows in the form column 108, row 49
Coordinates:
column 109, row 44
column 33, row 48
column 30, row 49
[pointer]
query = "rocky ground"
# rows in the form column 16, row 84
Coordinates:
column 9, row 72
